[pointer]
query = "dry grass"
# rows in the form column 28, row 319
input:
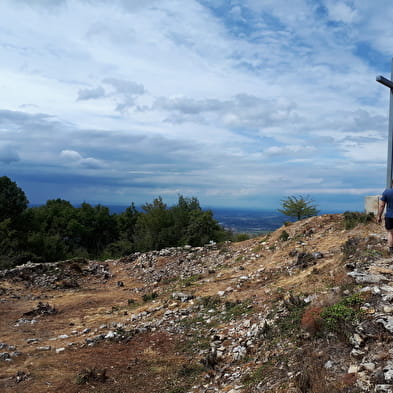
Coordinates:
column 155, row 357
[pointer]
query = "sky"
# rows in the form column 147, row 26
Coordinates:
column 239, row 103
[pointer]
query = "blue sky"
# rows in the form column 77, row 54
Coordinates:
column 238, row 103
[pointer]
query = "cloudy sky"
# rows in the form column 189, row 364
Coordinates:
column 236, row 102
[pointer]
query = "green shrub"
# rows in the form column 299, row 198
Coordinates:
column 284, row 236
column 149, row 296
column 210, row 301
column 342, row 316
column 351, row 219
column 240, row 237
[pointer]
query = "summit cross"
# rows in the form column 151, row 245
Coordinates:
column 388, row 83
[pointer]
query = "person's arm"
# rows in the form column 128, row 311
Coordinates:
column 381, row 208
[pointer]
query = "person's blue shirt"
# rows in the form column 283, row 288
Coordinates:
column 387, row 196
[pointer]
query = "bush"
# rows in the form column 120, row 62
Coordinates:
column 351, row 219
column 284, row 236
column 311, row 320
column 91, row 375
column 341, row 317
column 240, row 237
column 149, row 296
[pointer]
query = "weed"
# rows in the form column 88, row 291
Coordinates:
column 91, row 375
column 187, row 282
column 341, row 317
column 236, row 310
column 350, row 247
column 190, row 370
column 258, row 248
column 240, row 237
column 149, row 296
column 210, row 301
column 284, row 236
column 351, row 219
column 256, row 376
column 290, row 323
column 353, row 300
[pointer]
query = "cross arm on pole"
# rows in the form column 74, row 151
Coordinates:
column 384, row 81
column 388, row 83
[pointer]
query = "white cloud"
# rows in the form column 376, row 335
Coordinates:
column 289, row 150
column 70, row 155
column 92, row 163
column 149, row 95
column 341, row 11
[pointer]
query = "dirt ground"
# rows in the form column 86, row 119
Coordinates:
column 152, row 361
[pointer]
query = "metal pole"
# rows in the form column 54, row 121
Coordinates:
column 390, row 138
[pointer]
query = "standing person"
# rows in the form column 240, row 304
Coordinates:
column 387, row 200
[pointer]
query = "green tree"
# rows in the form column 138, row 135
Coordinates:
column 126, row 222
column 98, row 228
column 13, row 225
column 298, row 207
column 52, row 234
column 126, row 226
column 13, row 201
column 154, row 227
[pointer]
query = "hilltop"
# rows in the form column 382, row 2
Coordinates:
column 304, row 309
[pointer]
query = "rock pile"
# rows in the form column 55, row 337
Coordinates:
column 57, row 275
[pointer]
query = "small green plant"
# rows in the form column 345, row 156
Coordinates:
column 91, row 375
column 284, row 236
column 190, row 370
column 210, row 301
column 351, row 219
column 235, row 310
column 350, row 248
column 149, row 296
column 341, row 317
column 291, row 322
column 256, row 376
column 240, row 237
column 187, row 282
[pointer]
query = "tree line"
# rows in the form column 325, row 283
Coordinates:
column 58, row 230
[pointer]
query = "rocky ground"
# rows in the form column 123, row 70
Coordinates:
column 306, row 309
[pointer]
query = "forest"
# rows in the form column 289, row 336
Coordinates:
column 58, row 230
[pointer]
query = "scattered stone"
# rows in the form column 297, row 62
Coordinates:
column 21, row 376
column 44, row 348
column 32, row 340
column 387, row 323
column 5, row 356
column 41, row 309
column 183, row 297
column 24, row 321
